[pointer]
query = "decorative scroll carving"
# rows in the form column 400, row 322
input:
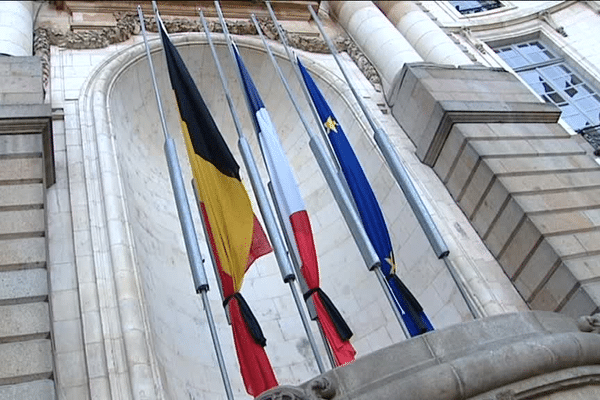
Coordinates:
column 465, row 31
column 284, row 393
column 320, row 388
column 589, row 323
column 41, row 49
column 323, row 388
column 547, row 18
column 128, row 25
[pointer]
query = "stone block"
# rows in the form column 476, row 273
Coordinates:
column 536, row 270
column 24, row 361
column 22, row 222
column 555, row 290
column 544, row 165
column 19, row 144
column 520, row 247
column 465, row 167
column 560, row 201
column 522, row 130
column 24, row 321
column 504, row 227
column 589, row 240
column 585, row 267
column 566, row 245
column 22, row 252
column 31, row 195
column 20, row 98
column 580, row 303
column 492, row 205
column 35, row 390
column 501, row 148
column 452, row 149
column 479, row 185
column 25, row 285
column 21, row 169
column 26, row 66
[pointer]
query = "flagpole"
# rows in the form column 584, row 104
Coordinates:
column 339, row 190
column 185, row 215
column 324, row 166
column 402, row 176
column 286, row 270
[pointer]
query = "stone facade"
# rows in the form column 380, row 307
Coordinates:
column 512, row 191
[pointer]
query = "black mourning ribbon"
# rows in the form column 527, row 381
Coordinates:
column 414, row 308
column 340, row 324
column 249, row 319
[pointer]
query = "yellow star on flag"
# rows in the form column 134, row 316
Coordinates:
column 392, row 262
column 330, row 125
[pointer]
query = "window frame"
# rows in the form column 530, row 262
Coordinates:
column 562, row 56
column 450, row 9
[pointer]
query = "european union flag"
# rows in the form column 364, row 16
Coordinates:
column 370, row 213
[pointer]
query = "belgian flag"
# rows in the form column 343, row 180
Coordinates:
column 236, row 236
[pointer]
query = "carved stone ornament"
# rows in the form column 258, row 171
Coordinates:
column 284, row 393
column 323, row 388
column 547, row 18
column 589, row 323
column 465, row 31
column 128, row 25
column 320, row 388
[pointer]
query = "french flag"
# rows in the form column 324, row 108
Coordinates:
column 297, row 224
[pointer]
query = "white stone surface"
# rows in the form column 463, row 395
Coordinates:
column 126, row 276
column 428, row 39
column 381, row 42
column 16, row 28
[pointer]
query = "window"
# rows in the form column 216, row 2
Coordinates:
column 472, row 7
column 557, row 83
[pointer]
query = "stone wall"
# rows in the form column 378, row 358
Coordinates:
column 527, row 186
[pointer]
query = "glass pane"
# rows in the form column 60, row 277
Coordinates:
column 534, row 52
column 571, row 92
column 512, row 57
column 556, row 99
column 575, row 80
column 471, row 7
column 576, row 121
column 587, row 103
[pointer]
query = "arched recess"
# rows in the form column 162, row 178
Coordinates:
column 152, row 326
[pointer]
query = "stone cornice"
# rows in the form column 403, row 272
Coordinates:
column 128, row 25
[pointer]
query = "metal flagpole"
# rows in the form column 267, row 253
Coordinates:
column 303, row 285
column 286, row 270
column 185, row 215
column 401, row 174
column 340, row 191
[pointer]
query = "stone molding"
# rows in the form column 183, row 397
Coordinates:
column 506, row 357
column 128, row 25
column 431, row 135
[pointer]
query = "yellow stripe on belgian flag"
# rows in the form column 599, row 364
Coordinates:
column 225, row 199
column 229, row 212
